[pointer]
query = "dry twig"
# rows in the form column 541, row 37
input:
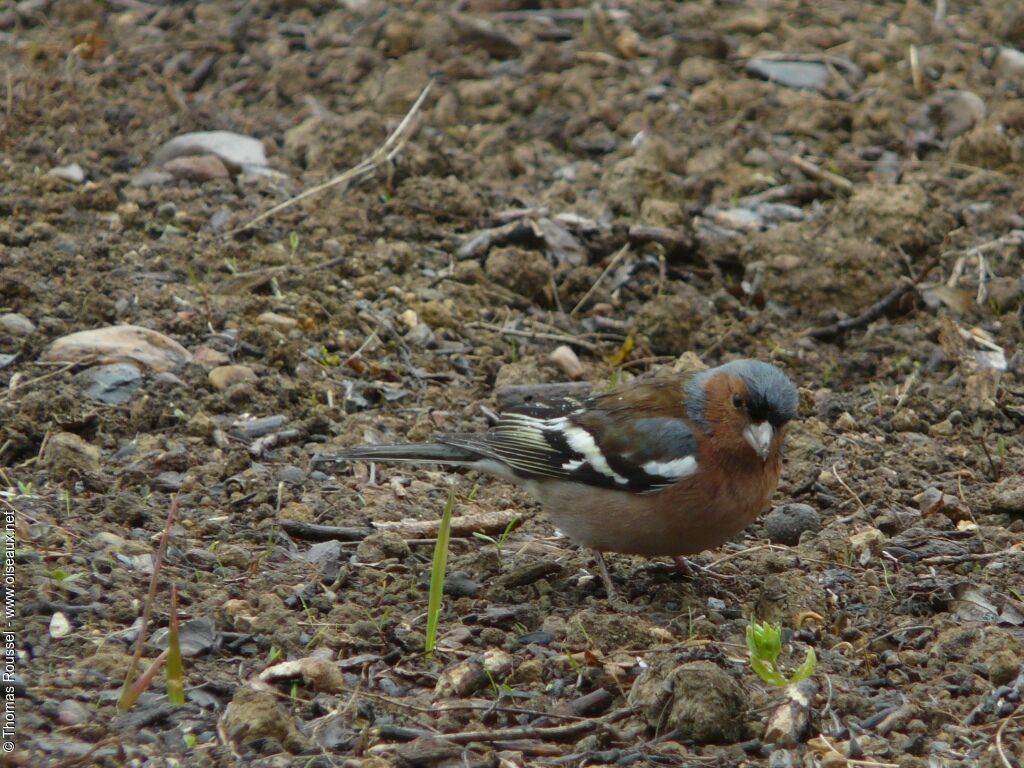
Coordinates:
column 384, row 154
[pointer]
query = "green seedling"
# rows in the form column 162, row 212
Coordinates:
column 764, row 642
column 274, row 655
column 293, row 242
column 502, row 539
column 190, row 740
column 328, row 359
column 437, row 570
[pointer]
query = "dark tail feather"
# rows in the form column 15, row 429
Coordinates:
column 413, row 452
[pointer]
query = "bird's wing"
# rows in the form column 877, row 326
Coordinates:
column 635, row 439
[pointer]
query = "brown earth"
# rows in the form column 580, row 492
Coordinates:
column 551, row 138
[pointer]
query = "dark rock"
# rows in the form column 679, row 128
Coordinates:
column 785, row 524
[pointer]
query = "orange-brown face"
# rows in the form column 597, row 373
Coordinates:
column 738, row 426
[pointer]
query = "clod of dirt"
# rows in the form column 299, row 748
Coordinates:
column 70, row 457
column 900, row 216
column 253, row 715
column 784, row 596
column 594, row 630
column 525, row 272
column 119, row 343
column 785, row 524
column 381, row 546
column 668, row 323
column 984, row 147
column 650, row 173
column 697, row 698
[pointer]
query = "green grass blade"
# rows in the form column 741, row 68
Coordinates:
column 437, row 570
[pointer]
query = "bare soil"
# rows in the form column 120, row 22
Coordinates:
column 865, row 234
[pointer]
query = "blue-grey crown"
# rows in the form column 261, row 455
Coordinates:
column 772, row 396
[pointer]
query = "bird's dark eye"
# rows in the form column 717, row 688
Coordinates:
column 737, row 400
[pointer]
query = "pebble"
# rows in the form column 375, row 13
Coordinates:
column 326, row 556
column 567, row 360
column 1009, row 62
column 785, row 524
column 381, row 546
column 198, row 168
column 71, row 712
column 281, row 322
column 151, row 177
column 236, row 151
column 59, row 626
column 125, row 343
column 811, row 75
column 17, row 324
column 72, row 173
column 948, row 114
column 459, row 584
column 224, row 376
column 111, row 384
column 290, row 474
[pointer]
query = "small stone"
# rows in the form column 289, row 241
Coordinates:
column 71, row 712
column 111, row 384
column 198, row 168
column 290, row 475
column 459, row 584
column 381, row 546
column 1005, row 496
column 943, row 428
column 811, row 75
column 281, row 322
column 17, row 324
column 948, row 114
column 932, row 501
column 1009, row 62
column 151, row 177
column 120, row 343
column 846, row 423
column 234, row 150
column 225, row 376
column 785, row 524
column 907, row 420
column 59, row 626
column 566, row 359
column 461, row 679
column 409, row 319
column 867, row 542
column 71, row 173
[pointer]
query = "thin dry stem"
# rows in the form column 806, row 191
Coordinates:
column 380, row 157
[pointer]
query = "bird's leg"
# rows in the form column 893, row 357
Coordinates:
column 683, row 566
column 609, row 588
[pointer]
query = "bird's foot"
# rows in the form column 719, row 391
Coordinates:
column 606, row 578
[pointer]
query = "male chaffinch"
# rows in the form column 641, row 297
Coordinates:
column 665, row 467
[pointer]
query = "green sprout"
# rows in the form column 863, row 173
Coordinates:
column 502, row 539
column 764, row 642
column 293, row 242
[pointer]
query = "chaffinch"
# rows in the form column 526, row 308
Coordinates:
column 665, row 467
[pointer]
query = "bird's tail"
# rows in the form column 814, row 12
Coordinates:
column 422, row 453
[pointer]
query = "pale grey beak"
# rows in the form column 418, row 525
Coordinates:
column 760, row 438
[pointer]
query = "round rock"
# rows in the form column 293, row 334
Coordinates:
column 785, row 524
